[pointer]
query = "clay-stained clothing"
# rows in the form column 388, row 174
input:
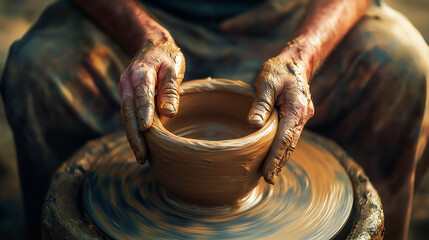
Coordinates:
column 208, row 13
column 370, row 95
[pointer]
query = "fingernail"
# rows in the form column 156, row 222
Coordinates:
column 273, row 178
column 137, row 154
column 270, row 180
column 168, row 108
column 142, row 124
column 256, row 119
column 139, row 157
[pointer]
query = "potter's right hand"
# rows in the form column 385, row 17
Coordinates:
column 282, row 82
column 159, row 65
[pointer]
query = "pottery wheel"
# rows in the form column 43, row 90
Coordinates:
column 311, row 199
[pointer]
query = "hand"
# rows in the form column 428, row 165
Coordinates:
column 281, row 82
column 159, row 65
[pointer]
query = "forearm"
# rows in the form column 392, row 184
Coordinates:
column 326, row 22
column 124, row 20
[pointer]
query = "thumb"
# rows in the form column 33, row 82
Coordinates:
column 262, row 105
column 169, row 93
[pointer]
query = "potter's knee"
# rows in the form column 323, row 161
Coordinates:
column 389, row 42
column 17, row 64
column 20, row 76
column 27, row 57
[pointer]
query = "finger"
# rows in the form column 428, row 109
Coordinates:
column 134, row 136
column 293, row 116
column 168, row 98
column 143, row 79
column 262, row 105
column 168, row 88
column 282, row 147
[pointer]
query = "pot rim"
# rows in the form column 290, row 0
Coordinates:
column 215, row 85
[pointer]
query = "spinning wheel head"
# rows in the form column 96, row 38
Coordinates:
column 312, row 199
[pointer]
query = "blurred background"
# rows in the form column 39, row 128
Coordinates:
column 17, row 16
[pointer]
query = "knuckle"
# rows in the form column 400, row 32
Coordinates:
column 181, row 56
column 145, row 93
column 292, row 111
column 138, row 91
column 177, row 55
column 124, row 76
column 310, row 110
column 266, row 90
column 173, row 73
column 287, row 138
column 267, row 84
column 267, row 65
column 301, row 103
column 170, row 97
column 138, row 65
column 140, row 73
column 149, row 43
column 279, row 155
column 171, row 90
column 170, row 85
column 121, row 88
column 141, row 102
column 295, row 109
column 263, row 105
column 127, row 110
column 285, row 158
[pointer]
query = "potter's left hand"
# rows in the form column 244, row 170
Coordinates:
column 160, row 67
column 282, row 82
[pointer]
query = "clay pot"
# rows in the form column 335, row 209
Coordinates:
column 207, row 154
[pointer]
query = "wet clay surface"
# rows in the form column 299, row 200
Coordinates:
column 312, row 199
column 208, row 155
column 211, row 116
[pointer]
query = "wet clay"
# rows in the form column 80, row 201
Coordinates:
column 207, row 155
column 211, row 116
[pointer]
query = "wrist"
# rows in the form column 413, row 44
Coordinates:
column 300, row 54
column 145, row 33
column 155, row 32
column 146, row 29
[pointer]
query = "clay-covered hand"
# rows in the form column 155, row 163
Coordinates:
column 159, row 65
column 282, row 82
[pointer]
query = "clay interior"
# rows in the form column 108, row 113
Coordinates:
column 211, row 116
